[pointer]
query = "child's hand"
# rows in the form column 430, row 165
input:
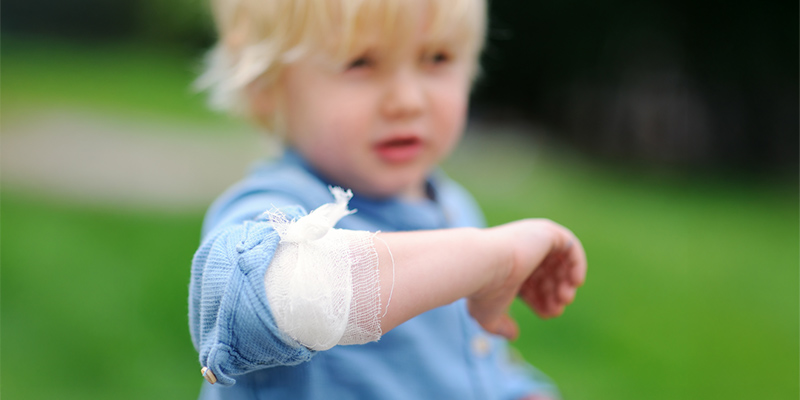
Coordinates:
column 545, row 265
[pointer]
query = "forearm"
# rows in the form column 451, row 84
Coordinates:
column 333, row 286
column 538, row 260
column 428, row 269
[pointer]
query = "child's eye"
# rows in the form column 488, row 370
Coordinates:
column 438, row 57
column 361, row 62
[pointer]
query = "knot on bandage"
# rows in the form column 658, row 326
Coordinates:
column 317, row 223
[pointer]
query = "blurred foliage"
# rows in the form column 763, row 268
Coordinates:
column 94, row 20
column 175, row 23
column 676, row 83
column 118, row 78
column 185, row 23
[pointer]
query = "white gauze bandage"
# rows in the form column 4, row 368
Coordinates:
column 323, row 284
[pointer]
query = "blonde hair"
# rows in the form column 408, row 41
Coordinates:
column 257, row 38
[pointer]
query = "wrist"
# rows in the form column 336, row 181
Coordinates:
column 500, row 260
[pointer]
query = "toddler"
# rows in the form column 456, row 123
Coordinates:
column 350, row 267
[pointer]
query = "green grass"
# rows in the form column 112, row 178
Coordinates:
column 95, row 302
column 117, row 78
column 692, row 289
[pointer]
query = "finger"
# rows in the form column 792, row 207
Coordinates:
column 577, row 273
column 562, row 239
column 547, row 286
column 562, row 272
column 536, row 291
column 547, row 293
column 554, row 306
column 529, row 296
column 557, row 310
column 527, row 293
column 539, row 303
column 504, row 326
column 566, row 293
column 548, row 307
column 551, row 262
column 577, row 260
column 509, row 328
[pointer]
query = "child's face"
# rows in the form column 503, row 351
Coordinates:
column 379, row 123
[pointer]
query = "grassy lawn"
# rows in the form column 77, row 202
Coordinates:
column 692, row 289
column 116, row 78
column 94, row 302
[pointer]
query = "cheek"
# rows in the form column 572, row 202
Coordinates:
column 341, row 124
column 451, row 111
column 347, row 121
column 313, row 121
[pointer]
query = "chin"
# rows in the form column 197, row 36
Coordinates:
column 398, row 188
column 394, row 181
column 380, row 191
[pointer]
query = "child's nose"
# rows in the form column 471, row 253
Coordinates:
column 404, row 96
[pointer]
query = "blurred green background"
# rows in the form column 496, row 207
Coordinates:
column 109, row 160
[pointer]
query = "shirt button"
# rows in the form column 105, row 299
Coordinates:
column 210, row 377
column 481, row 345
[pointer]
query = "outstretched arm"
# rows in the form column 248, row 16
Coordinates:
column 538, row 260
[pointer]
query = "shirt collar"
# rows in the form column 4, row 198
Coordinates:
column 403, row 214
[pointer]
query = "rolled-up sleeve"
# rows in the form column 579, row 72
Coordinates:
column 231, row 324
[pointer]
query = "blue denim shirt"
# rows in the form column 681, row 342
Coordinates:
column 441, row 354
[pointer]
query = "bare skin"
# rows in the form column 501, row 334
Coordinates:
column 538, row 260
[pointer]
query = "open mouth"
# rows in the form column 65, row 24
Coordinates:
column 399, row 149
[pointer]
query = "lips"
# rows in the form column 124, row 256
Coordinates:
column 399, row 149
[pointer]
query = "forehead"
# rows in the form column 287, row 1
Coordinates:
column 345, row 28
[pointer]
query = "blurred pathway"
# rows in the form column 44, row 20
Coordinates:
column 98, row 159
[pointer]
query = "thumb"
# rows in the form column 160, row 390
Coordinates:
column 504, row 326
